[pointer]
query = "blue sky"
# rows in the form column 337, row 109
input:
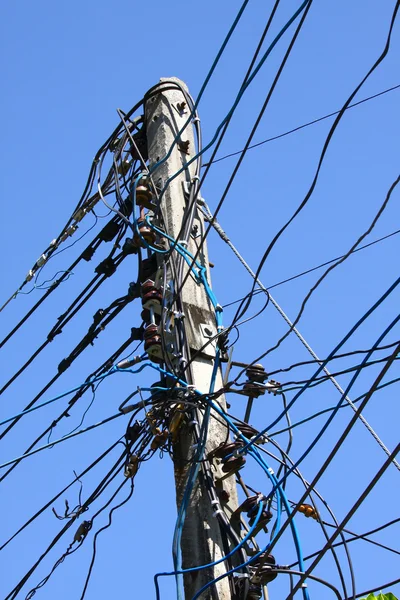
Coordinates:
column 66, row 69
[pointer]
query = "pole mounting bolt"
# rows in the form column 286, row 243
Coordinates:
column 184, row 146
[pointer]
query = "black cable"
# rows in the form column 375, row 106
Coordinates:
column 313, row 577
column 314, row 287
column 333, row 453
column 344, row 355
column 362, row 536
column 50, row 502
column 98, row 533
column 70, row 551
column 244, row 81
column 281, row 135
column 257, row 122
column 99, row 489
column 385, row 237
column 378, row 588
column 63, row 320
column 322, row 412
column 297, row 472
column 65, row 413
column 325, row 378
column 350, row 513
column 323, row 153
column 255, row 126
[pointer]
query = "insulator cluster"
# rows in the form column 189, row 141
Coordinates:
column 230, row 461
column 256, row 376
column 152, row 306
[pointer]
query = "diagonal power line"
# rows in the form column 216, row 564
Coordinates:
column 281, row 135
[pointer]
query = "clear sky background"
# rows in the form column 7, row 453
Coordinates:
column 66, row 68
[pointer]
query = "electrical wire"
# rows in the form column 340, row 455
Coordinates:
column 313, row 122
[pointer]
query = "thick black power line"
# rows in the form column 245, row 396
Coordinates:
column 310, row 191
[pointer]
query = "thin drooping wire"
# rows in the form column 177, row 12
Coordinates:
column 57, row 496
column 281, row 135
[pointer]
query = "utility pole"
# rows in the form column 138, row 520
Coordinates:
column 166, row 112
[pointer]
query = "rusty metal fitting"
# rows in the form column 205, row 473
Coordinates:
column 248, row 504
column 147, row 233
column 159, row 440
column 131, row 467
column 247, row 430
column 256, row 373
column 253, row 390
column 263, row 574
column 150, row 332
column 152, row 344
column 144, row 195
column 151, row 295
column 176, row 421
column 308, row 511
column 233, row 464
column 224, row 449
column 265, row 518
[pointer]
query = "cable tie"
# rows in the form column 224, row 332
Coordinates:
column 304, row 585
column 241, row 575
column 219, row 511
column 194, row 446
column 195, row 177
column 194, row 422
column 196, row 120
column 271, row 471
column 214, row 501
column 184, row 242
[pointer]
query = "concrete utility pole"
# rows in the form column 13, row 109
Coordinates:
column 166, row 112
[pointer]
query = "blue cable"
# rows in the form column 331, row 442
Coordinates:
column 198, row 594
column 58, row 441
column 288, row 509
column 78, row 387
column 213, row 564
column 136, row 228
column 177, row 245
column 276, row 489
column 194, row 471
